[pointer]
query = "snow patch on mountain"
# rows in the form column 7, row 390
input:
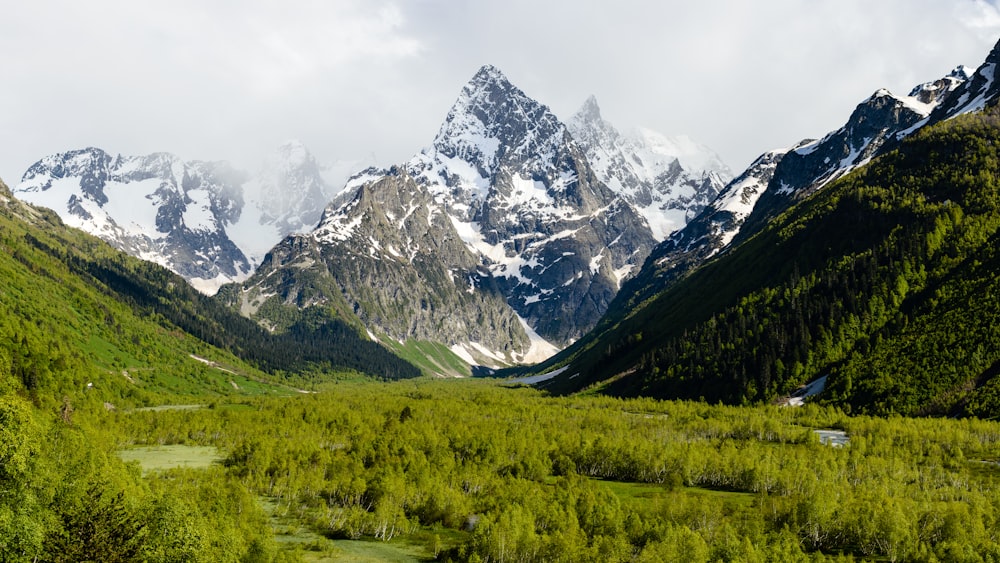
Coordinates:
column 740, row 196
column 988, row 73
column 539, row 350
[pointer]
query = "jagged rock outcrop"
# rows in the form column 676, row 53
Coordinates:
column 406, row 275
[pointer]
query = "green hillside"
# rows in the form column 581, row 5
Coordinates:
column 65, row 334
column 86, row 333
column 71, row 350
column 77, row 315
column 886, row 281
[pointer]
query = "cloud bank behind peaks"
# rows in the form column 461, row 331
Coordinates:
column 371, row 81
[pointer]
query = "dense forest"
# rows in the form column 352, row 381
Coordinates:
column 65, row 496
column 472, row 471
column 885, row 281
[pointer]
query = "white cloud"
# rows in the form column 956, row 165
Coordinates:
column 198, row 78
column 742, row 77
column 980, row 16
column 372, row 80
column 284, row 46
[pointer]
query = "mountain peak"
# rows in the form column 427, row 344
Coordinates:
column 969, row 91
column 933, row 92
column 488, row 74
column 590, row 111
column 291, row 153
column 492, row 118
column 994, row 56
column 962, row 72
column 588, row 126
column 488, row 86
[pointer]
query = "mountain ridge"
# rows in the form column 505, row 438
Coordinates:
column 206, row 221
column 668, row 179
column 779, row 178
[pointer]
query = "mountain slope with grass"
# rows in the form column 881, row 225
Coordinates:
column 88, row 333
column 884, row 281
column 72, row 352
column 80, row 319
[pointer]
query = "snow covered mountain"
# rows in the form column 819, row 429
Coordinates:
column 778, row 179
column 876, row 125
column 499, row 240
column 522, row 194
column 390, row 251
column 206, row 221
column 287, row 195
column 672, row 283
column 669, row 180
column 974, row 93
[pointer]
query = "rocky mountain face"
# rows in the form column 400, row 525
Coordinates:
column 669, row 180
column 406, row 275
column 206, row 221
column 778, row 179
column 973, row 94
column 499, row 240
column 522, row 194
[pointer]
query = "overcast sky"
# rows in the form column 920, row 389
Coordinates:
column 372, row 80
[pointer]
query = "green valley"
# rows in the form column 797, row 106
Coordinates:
column 472, row 471
column 134, row 427
column 807, row 370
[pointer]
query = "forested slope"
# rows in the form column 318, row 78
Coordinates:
column 72, row 349
column 529, row 477
column 886, row 281
column 64, row 334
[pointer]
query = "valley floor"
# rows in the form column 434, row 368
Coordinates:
column 470, row 470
